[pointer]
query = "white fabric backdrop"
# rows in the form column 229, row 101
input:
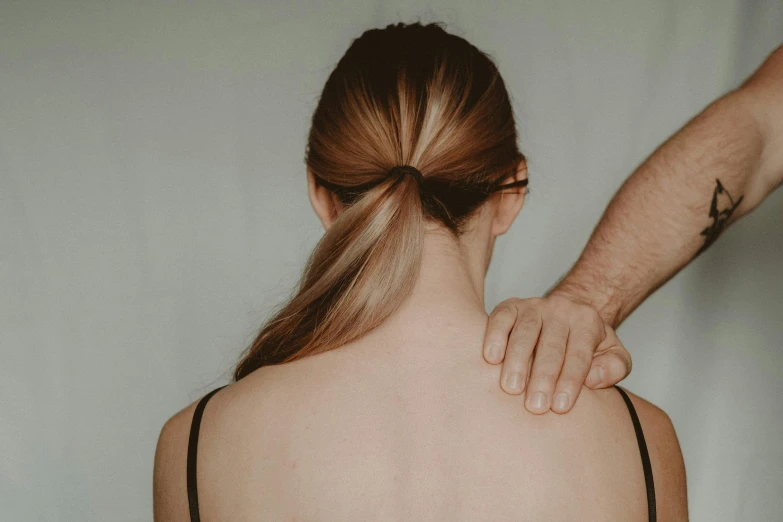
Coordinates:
column 153, row 212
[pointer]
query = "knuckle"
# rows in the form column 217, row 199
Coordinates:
column 503, row 312
column 517, row 349
column 503, row 309
column 588, row 315
column 529, row 313
column 568, row 383
column 582, row 358
column 561, row 303
column 548, row 369
column 551, row 352
column 530, row 320
column 544, row 377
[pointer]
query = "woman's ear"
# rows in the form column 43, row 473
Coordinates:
column 509, row 202
column 326, row 204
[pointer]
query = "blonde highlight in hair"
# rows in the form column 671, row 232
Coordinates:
column 408, row 94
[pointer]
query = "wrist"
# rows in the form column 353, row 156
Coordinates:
column 604, row 302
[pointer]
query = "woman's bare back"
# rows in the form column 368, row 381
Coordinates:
column 396, row 427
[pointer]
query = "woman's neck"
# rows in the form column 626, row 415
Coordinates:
column 449, row 289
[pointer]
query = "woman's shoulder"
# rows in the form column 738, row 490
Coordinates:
column 170, row 501
column 666, row 459
column 169, row 479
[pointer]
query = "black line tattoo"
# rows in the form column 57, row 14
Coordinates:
column 720, row 212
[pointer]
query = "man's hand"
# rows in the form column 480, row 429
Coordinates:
column 559, row 344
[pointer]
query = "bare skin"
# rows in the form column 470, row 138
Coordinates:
column 407, row 423
column 716, row 169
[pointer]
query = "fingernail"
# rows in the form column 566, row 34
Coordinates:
column 596, row 376
column 561, row 401
column 494, row 352
column 537, row 402
column 512, row 381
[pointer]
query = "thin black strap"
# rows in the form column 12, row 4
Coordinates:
column 195, row 427
column 648, row 475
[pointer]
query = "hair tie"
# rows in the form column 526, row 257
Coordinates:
column 402, row 170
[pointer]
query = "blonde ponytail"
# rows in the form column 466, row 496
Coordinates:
column 358, row 274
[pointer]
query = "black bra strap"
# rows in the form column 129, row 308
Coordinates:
column 195, row 427
column 648, row 475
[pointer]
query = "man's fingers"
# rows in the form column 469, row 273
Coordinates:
column 583, row 340
column 550, row 352
column 521, row 344
column 611, row 365
column 571, row 344
column 501, row 322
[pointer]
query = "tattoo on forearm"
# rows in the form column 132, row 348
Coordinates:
column 721, row 209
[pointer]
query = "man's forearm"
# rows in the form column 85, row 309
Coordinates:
column 718, row 167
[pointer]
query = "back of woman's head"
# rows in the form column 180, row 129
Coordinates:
column 409, row 94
